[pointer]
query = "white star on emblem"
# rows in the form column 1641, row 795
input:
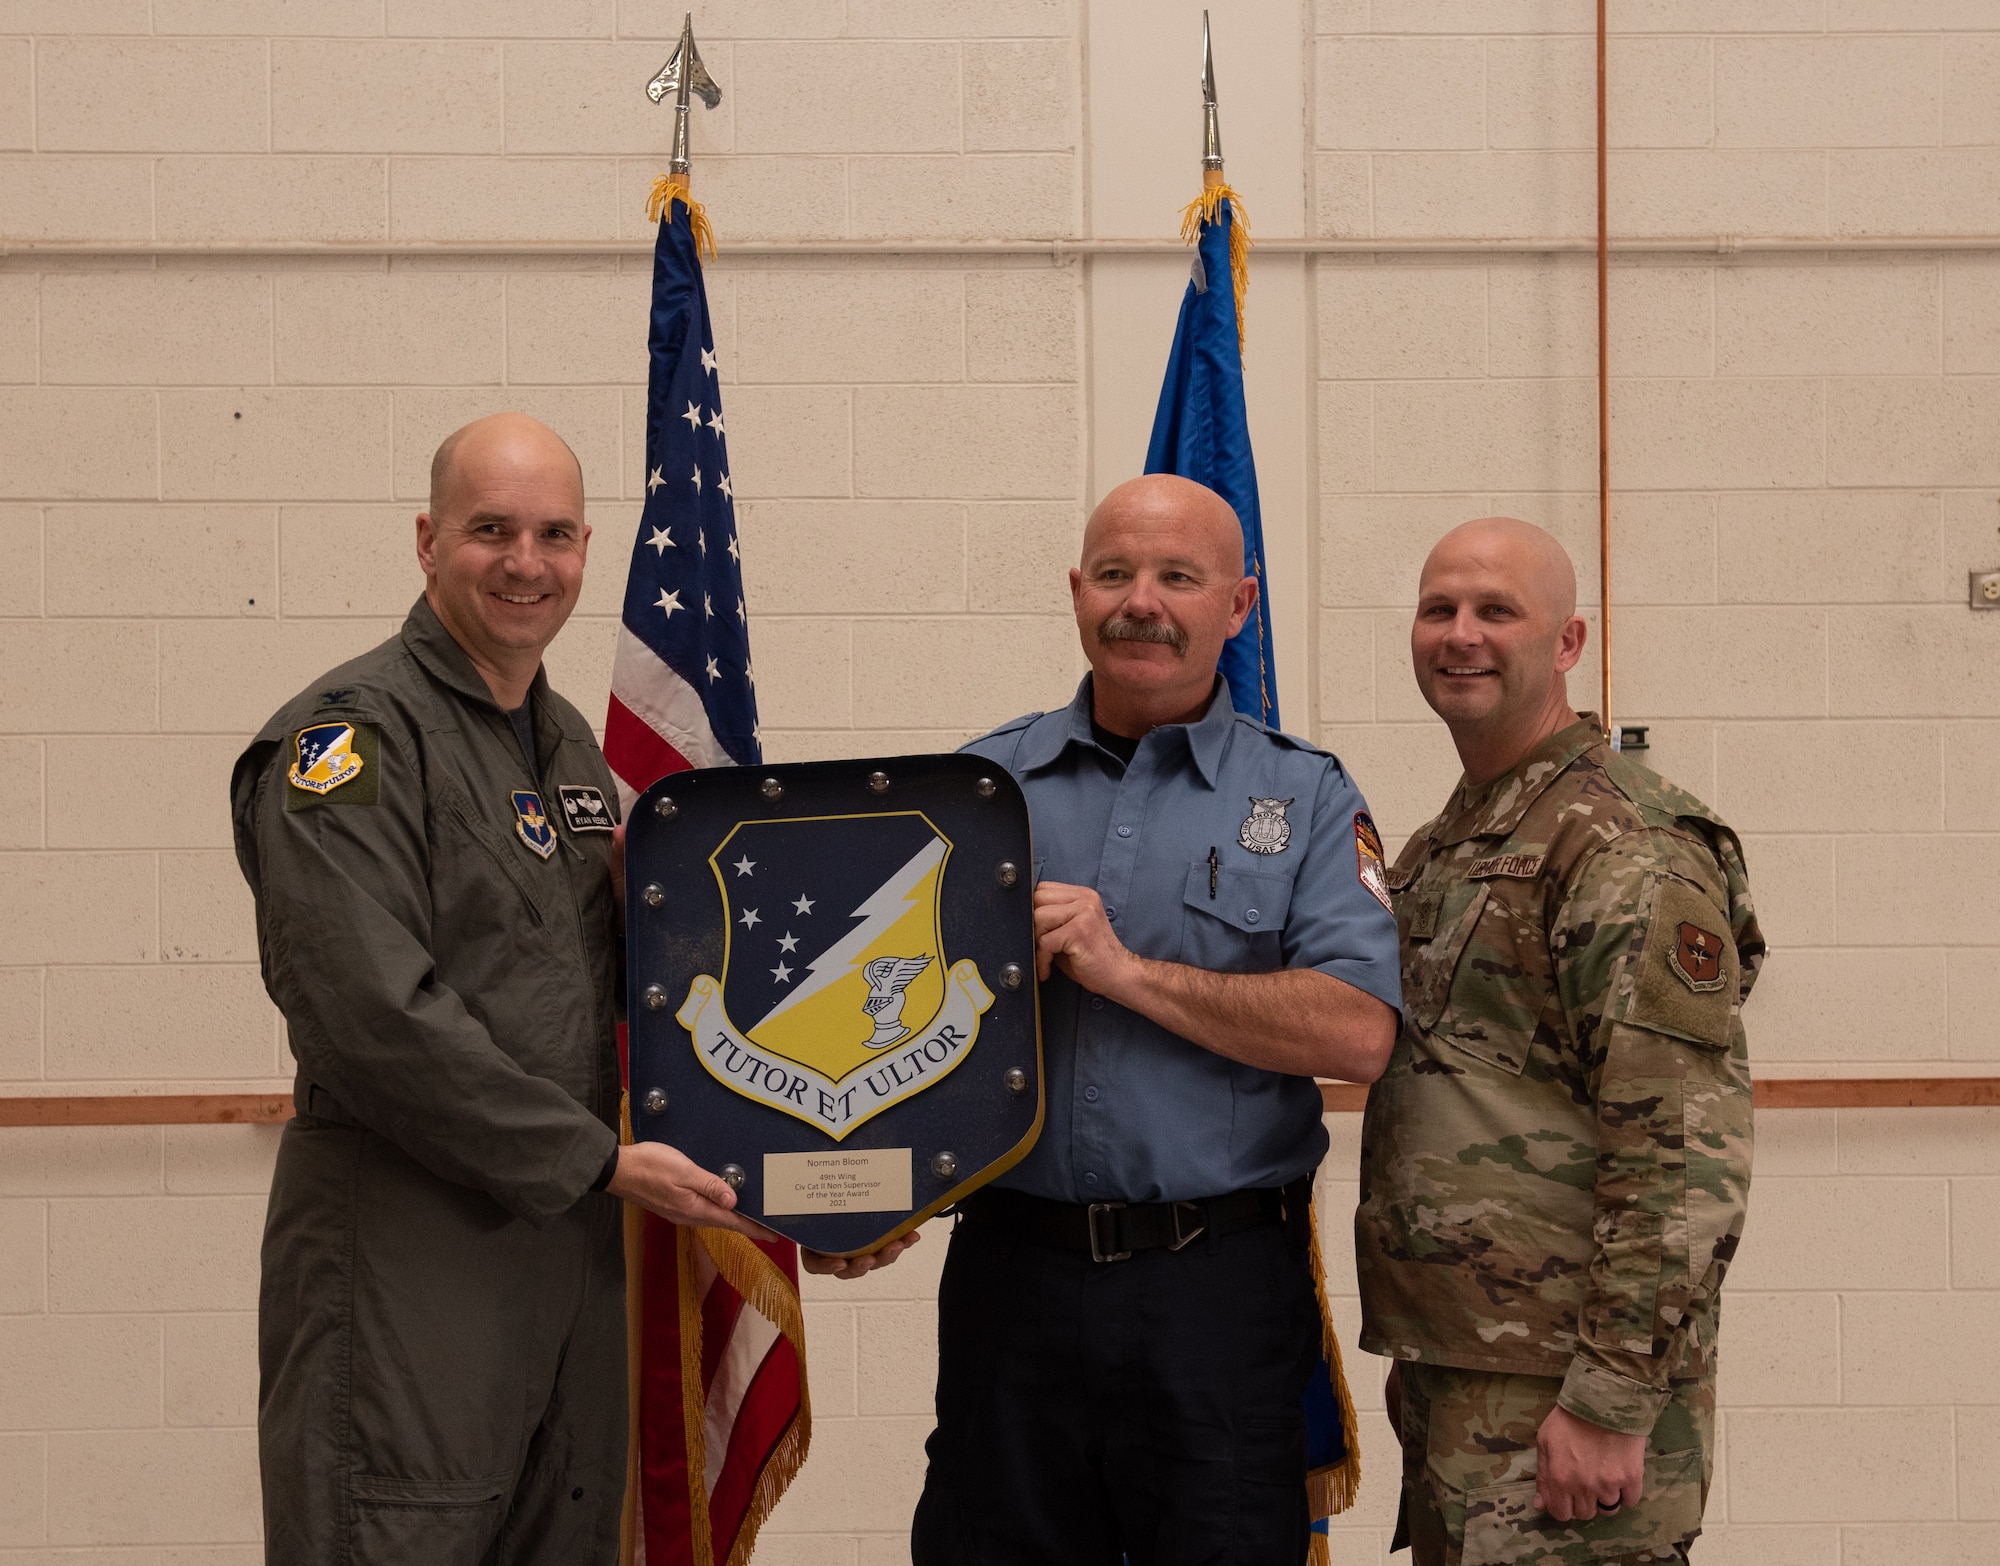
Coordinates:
column 669, row 602
column 742, row 613
column 693, row 416
column 654, row 480
column 788, row 942
column 697, row 479
column 804, row 905
column 661, row 540
column 708, row 606
column 708, row 360
column 749, row 673
column 715, row 421
column 714, row 673
column 723, row 485
column 702, row 539
column 781, row 973
column 745, row 865
column 733, row 555
column 749, row 918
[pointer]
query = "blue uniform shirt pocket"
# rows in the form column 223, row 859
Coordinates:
column 1233, row 921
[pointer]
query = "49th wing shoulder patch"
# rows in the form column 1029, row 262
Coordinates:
column 1689, row 972
column 335, row 763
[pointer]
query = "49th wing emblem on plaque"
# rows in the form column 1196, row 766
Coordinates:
column 833, row 986
column 854, row 1007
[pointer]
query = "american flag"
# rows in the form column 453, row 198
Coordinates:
column 722, row 1417
column 682, row 694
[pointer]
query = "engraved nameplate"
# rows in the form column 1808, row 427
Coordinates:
column 858, row 1180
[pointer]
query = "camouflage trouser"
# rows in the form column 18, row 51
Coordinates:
column 1469, row 1476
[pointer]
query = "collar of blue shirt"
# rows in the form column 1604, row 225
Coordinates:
column 1045, row 742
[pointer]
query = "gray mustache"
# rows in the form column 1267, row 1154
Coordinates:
column 1123, row 628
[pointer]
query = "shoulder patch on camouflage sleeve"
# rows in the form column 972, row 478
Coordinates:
column 336, row 763
column 1689, row 971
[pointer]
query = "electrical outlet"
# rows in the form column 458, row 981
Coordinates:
column 1986, row 589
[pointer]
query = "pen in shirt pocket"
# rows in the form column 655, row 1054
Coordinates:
column 1211, row 872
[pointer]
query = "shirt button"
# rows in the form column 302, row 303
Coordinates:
column 1124, row 831
column 1251, row 916
column 1110, row 913
column 1090, row 1179
column 1097, row 1003
column 1090, row 1094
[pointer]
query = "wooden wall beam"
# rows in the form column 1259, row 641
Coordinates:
column 221, row 1109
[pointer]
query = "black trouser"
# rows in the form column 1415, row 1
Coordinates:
column 1147, row 1408
column 443, row 1384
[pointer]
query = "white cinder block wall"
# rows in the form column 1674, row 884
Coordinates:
column 209, row 461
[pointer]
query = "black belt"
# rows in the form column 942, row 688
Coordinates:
column 1113, row 1231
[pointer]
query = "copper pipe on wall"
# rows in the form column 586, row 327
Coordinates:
column 1603, row 399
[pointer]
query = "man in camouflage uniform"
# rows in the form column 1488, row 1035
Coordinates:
column 1556, row 1162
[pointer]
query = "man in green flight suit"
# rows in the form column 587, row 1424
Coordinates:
column 432, row 838
column 1556, row 1162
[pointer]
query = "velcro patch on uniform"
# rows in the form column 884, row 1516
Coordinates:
column 1368, row 863
column 1689, row 972
column 337, row 763
column 584, row 808
column 1522, row 867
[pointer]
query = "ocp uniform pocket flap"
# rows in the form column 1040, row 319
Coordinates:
column 1504, row 1527
column 1254, row 903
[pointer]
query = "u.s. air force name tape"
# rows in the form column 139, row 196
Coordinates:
column 818, row 1100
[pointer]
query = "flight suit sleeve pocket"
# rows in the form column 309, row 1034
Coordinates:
column 1625, row 1279
column 1233, row 919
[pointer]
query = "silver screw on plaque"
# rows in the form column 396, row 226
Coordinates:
column 772, row 789
column 733, row 1176
column 656, row 998
column 656, row 1101
column 1010, row 976
column 878, row 782
column 665, row 808
column 945, row 1165
column 985, row 788
column 1016, row 1080
column 1009, row 872
column 654, row 894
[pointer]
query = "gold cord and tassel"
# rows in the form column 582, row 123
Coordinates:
column 673, row 187
column 1205, row 209
column 1332, row 1490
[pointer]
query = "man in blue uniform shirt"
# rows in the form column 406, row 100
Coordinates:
column 1127, row 1321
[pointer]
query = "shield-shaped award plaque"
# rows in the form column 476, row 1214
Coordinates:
column 833, row 986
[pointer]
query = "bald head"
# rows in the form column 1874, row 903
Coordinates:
column 1191, row 517
column 507, row 439
column 1506, row 549
column 1158, row 591
column 1495, row 636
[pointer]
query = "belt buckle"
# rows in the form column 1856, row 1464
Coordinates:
column 1181, row 1239
column 1097, row 1251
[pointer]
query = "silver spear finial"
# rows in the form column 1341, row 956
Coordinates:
column 682, row 75
column 1211, row 131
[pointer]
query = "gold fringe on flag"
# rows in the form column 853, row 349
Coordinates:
column 766, row 1290
column 1204, row 209
column 673, row 187
column 1332, row 1490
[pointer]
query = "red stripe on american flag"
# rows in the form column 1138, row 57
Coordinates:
column 766, row 1413
column 636, row 753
